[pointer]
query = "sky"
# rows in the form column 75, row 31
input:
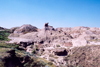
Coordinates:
column 59, row 13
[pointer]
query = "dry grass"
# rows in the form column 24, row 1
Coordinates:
column 50, row 64
column 88, row 56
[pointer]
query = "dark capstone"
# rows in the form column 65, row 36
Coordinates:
column 46, row 25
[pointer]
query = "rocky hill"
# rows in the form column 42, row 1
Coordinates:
column 62, row 46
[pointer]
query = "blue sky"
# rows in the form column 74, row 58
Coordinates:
column 59, row 13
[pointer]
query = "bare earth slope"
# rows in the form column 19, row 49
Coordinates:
column 58, row 44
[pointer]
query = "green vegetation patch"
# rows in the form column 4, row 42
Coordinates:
column 7, row 45
column 4, row 35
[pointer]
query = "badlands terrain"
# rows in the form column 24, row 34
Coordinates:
column 55, row 47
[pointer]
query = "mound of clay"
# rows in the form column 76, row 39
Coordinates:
column 13, row 29
column 26, row 28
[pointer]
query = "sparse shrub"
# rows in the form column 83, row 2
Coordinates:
column 34, row 52
column 7, row 45
column 57, row 45
column 50, row 63
column 31, row 46
column 36, row 47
